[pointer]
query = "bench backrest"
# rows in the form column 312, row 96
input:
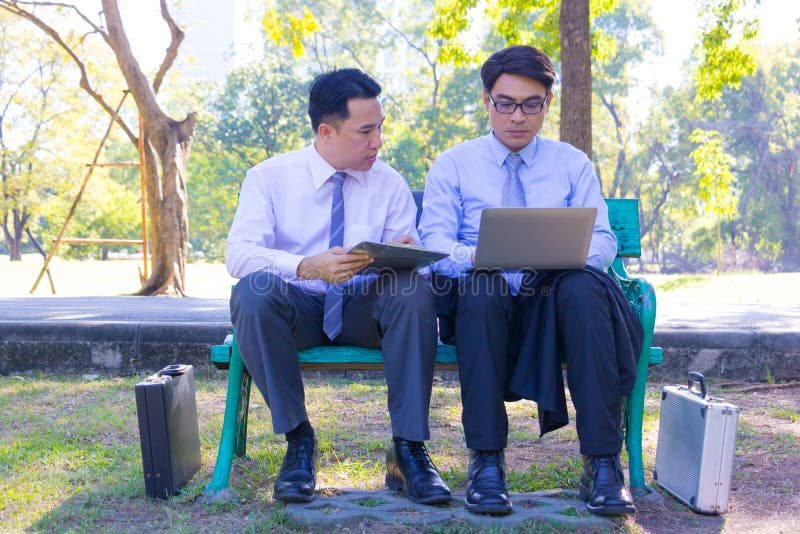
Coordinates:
column 623, row 216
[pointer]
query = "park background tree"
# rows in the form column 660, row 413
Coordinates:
column 166, row 141
column 431, row 101
column 28, row 108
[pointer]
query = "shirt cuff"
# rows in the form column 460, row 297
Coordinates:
column 286, row 265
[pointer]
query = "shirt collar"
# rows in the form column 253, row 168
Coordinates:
column 500, row 152
column 321, row 170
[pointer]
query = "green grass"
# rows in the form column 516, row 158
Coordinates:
column 788, row 414
column 560, row 473
column 70, row 458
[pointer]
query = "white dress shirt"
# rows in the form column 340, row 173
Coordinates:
column 284, row 213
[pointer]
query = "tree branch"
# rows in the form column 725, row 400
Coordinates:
column 176, row 38
column 74, row 8
column 13, row 8
column 139, row 86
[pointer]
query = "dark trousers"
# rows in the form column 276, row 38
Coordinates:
column 274, row 319
column 488, row 324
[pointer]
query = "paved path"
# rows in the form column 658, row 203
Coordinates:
column 671, row 315
column 348, row 508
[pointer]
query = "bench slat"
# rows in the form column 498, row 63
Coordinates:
column 623, row 216
column 356, row 357
column 336, row 357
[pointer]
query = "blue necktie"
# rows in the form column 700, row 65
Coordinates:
column 334, row 295
column 513, row 192
column 513, row 197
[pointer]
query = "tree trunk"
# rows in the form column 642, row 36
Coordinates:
column 14, row 235
column 166, row 149
column 167, row 200
column 576, row 75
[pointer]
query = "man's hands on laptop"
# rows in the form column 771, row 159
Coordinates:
column 335, row 265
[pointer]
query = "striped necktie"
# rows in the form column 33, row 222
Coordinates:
column 334, row 295
column 513, row 192
column 513, row 197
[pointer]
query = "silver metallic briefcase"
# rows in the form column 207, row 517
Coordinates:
column 696, row 438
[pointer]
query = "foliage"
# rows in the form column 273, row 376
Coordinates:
column 290, row 29
column 515, row 21
column 260, row 112
column 325, row 32
column 424, row 53
column 715, row 181
column 34, row 165
column 723, row 59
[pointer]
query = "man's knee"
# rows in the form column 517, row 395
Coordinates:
column 407, row 290
column 257, row 291
column 483, row 292
column 580, row 288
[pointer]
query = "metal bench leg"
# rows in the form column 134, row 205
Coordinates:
column 633, row 435
column 633, row 427
column 234, row 428
column 240, row 445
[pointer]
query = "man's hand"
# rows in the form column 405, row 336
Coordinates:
column 334, row 266
column 405, row 239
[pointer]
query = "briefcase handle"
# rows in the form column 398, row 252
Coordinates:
column 696, row 378
column 175, row 370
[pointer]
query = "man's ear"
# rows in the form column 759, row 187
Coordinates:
column 548, row 100
column 325, row 131
column 486, row 100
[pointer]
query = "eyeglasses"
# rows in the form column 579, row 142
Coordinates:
column 506, row 107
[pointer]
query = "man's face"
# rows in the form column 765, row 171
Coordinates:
column 354, row 144
column 517, row 129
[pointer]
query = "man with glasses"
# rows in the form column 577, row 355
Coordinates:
column 299, row 287
column 509, row 328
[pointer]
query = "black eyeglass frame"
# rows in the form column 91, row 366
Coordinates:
column 520, row 105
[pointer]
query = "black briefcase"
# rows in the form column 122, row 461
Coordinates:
column 168, row 432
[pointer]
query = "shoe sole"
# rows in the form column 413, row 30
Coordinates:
column 604, row 510
column 293, row 497
column 490, row 509
column 397, row 485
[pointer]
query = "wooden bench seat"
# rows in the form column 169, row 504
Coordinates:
column 624, row 220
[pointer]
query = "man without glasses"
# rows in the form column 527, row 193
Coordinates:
column 298, row 214
column 508, row 329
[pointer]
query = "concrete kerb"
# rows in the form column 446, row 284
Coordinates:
column 349, row 507
column 117, row 348
column 120, row 348
column 139, row 335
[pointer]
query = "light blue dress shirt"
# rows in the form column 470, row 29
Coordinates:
column 469, row 177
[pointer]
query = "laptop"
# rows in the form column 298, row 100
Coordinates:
column 537, row 238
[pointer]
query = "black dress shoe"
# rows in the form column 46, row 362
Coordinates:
column 409, row 469
column 298, row 476
column 603, row 486
column 486, row 483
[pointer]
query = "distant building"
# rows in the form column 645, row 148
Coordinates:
column 208, row 47
column 219, row 35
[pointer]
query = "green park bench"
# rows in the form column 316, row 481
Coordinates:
column 624, row 219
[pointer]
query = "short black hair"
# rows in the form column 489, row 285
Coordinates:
column 330, row 92
column 522, row 60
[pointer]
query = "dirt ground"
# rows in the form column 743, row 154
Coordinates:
column 765, row 486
